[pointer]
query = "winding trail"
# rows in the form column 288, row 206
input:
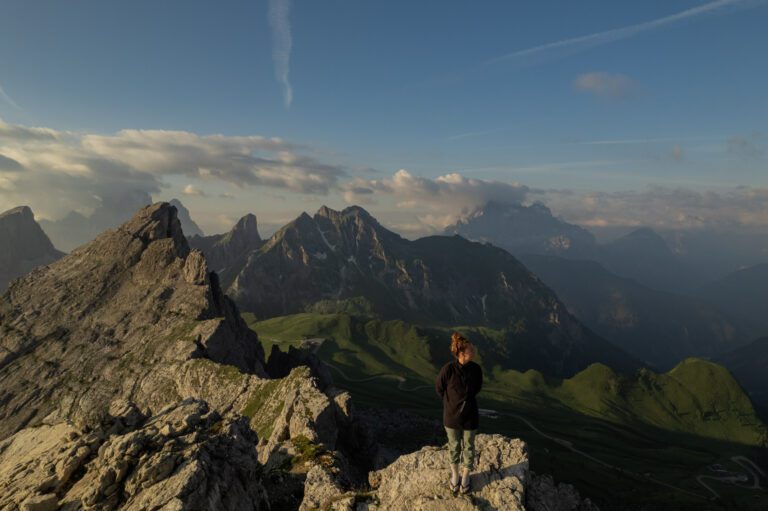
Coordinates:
column 736, row 479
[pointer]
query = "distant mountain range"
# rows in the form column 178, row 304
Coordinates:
column 526, row 229
column 75, row 228
column 641, row 255
column 659, row 327
column 335, row 260
column 23, row 245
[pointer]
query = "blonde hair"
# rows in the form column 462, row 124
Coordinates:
column 459, row 343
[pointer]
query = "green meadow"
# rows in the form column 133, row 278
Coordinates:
column 624, row 440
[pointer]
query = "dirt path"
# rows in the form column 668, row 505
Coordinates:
column 736, row 479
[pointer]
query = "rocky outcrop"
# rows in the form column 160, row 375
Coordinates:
column 419, row 481
column 119, row 316
column 23, row 245
column 184, row 457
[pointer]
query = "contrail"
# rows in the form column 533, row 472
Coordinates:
column 5, row 97
column 279, row 12
column 598, row 38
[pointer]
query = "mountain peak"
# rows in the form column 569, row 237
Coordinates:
column 23, row 244
column 189, row 225
column 247, row 227
column 326, row 212
column 155, row 222
column 21, row 211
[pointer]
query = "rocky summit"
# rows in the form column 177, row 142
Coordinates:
column 129, row 381
column 23, row 245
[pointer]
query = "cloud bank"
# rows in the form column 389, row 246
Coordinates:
column 439, row 202
column 60, row 171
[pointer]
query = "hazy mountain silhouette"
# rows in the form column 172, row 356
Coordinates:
column 23, row 245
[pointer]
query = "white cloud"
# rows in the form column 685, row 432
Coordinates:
column 66, row 171
column 602, row 84
column 193, row 191
column 282, row 41
column 440, row 200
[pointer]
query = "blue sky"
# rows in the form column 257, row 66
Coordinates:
column 585, row 96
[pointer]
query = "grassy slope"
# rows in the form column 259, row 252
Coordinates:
column 696, row 397
column 671, row 425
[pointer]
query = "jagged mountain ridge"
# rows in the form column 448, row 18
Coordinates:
column 335, row 257
column 23, row 245
column 131, row 298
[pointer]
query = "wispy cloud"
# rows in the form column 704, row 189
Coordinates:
column 598, row 38
column 471, row 134
column 606, row 85
column 282, row 41
column 5, row 97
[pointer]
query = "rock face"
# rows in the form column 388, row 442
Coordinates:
column 184, row 457
column 526, row 230
column 118, row 316
column 23, row 245
column 224, row 251
column 419, row 481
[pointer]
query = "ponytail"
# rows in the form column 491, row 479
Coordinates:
column 458, row 344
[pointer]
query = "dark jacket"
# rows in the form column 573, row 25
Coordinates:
column 458, row 385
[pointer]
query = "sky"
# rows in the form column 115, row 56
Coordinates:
column 419, row 111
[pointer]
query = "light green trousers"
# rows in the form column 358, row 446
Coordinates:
column 458, row 453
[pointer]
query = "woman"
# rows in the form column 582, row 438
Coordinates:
column 457, row 384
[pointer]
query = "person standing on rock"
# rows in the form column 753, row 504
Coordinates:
column 457, row 384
